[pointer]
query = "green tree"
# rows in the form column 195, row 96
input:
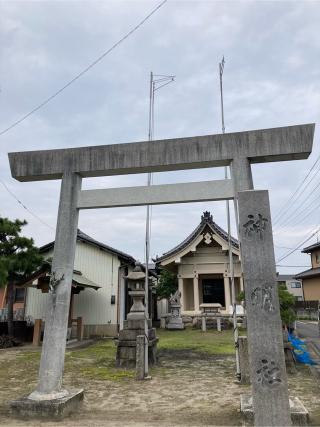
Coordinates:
column 18, row 258
column 167, row 285
column 286, row 301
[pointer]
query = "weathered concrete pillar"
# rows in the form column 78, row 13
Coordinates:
column 244, row 360
column 196, row 294
column 54, row 342
column 140, row 357
column 267, row 364
column 180, row 288
column 227, row 295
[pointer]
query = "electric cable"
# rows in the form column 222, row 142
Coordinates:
column 278, row 215
column 298, row 246
column 24, row 206
column 54, row 95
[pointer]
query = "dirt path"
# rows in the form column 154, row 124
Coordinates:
column 187, row 389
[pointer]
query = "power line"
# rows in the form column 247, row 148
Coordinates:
column 24, row 206
column 293, row 266
column 295, row 213
column 45, row 102
column 285, row 247
column 279, row 214
column 299, row 245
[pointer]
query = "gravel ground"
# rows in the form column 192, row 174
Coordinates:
column 187, row 389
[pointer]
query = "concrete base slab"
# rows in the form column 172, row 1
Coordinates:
column 55, row 409
column 299, row 414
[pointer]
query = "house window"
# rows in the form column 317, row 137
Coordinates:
column 318, row 258
column 19, row 295
column 295, row 285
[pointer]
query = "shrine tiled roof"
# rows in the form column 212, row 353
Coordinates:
column 206, row 221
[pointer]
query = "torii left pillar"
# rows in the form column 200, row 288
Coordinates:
column 50, row 399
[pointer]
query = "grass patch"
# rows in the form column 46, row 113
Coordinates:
column 97, row 362
column 211, row 342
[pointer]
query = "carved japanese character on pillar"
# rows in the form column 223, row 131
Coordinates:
column 268, row 373
column 262, row 297
column 255, row 226
column 54, row 281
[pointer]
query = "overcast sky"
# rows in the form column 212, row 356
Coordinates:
column 271, row 78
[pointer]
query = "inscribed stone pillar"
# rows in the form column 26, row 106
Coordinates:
column 180, row 288
column 196, row 294
column 227, row 296
column 267, row 364
column 55, row 334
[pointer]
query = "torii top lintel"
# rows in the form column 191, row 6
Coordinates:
column 258, row 146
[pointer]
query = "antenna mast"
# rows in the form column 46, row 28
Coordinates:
column 155, row 84
column 231, row 266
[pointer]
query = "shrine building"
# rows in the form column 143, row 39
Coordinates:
column 201, row 263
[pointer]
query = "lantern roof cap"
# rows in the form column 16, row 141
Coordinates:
column 136, row 273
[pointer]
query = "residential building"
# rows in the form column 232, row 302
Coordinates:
column 311, row 277
column 99, row 289
column 293, row 285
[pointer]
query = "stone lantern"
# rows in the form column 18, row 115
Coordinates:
column 136, row 281
column 134, row 326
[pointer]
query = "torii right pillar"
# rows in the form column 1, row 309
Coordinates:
column 264, row 329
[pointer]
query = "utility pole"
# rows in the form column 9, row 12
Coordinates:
column 231, row 266
column 156, row 83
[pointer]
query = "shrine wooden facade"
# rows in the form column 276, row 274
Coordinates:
column 201, row 263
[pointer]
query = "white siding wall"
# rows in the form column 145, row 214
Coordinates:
column 94, row 306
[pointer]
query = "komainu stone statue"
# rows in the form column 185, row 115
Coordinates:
column 175, row 319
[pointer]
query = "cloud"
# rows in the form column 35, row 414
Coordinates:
column 271, row 78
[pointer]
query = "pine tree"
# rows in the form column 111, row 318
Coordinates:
column 18, row 258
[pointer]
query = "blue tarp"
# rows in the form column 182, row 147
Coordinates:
column 300, row 351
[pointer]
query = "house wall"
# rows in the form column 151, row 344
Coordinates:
column 311, row 289
column 99, row 316
column 297, row 292
column 315, row 259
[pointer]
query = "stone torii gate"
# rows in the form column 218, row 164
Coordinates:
column 239, row 150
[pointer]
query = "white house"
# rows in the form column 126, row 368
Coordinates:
column 99, row 293
column 293, row 285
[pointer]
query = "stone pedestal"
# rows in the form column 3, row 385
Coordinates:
column 298, row 412
column 175, row 319
column 54, row 409
column 127, row 343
